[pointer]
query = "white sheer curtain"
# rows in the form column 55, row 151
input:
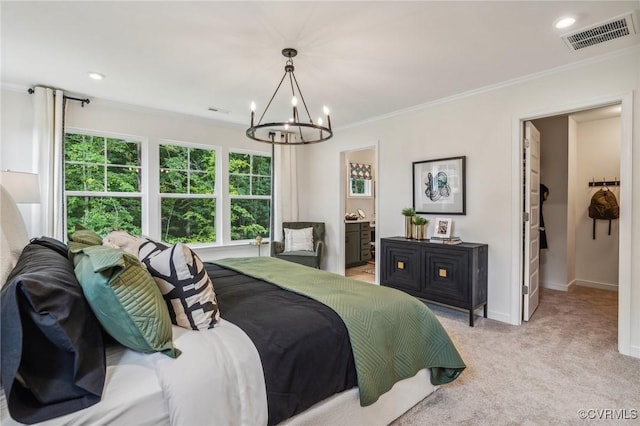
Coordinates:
column 285, row 187
column 48, row 139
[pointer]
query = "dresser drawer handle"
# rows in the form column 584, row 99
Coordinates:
column 400, row 265
column 442, row 273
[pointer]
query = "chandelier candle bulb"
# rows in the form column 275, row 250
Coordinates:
column 326, row 112
column 294, row 102
column 253, row 111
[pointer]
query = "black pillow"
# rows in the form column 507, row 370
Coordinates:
column 52, row 354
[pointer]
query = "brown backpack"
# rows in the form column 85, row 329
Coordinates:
column 604, row 205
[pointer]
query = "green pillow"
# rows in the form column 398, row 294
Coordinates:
column 125, row 298
column 85, row 236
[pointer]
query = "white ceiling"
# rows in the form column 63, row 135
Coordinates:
column 362, row 59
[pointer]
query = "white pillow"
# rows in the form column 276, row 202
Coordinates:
column 122, row 240
column 298, row 239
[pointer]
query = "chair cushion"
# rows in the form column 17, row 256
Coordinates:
column 298, row 240
column 299, row 253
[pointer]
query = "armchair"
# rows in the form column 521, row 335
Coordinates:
column 303, row 257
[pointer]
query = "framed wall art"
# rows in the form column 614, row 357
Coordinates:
column 439, row 186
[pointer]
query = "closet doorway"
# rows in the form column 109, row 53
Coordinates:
column 581, row 150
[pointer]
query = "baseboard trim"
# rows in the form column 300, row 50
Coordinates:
column 634, row 351
column 595, row 284
column 555, row 286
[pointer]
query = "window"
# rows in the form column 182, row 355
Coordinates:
column 102, row 183
column 360, row 187
column 250, row 193
column 187, row 194
column 359, row 180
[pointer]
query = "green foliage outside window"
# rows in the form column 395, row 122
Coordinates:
column 97, row 164
column 250, row 191
column 188, row 220
column 188, row 171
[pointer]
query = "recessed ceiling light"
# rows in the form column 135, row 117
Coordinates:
column 96, row 76
column 565, row 22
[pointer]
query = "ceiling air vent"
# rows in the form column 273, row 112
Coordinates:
column 619, row 27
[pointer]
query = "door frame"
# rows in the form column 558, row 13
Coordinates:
column 343, row 203
column 625, row 243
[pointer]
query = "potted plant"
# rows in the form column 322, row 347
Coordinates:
column 420, row 231
column 408, row 214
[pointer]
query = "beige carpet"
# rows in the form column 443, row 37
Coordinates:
column 541, row 373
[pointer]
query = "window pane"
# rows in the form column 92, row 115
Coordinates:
column 102, row 214
column 123, row 179
column 173, row 182
column 239, row 185
column 202, row 183
column 239, row 163
column 82, row 177
column 202, row 159
column 261, row 185
column 360, row 187
column 261, row 165
column 83, row 148
column 173, row 157
column 72, row 141
column 122, row 152
column 188, row 220
column 249, row 218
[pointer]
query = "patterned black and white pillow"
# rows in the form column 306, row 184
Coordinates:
column 183, row 282
column 148, row 248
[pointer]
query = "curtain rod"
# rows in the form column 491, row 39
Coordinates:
column 83, row 101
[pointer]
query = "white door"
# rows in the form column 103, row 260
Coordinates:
column 531, row 259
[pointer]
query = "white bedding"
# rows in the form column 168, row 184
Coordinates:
column 196, row 384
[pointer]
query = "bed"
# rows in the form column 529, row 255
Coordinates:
column 277, row 355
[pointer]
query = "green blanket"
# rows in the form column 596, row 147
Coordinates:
column 393, row 335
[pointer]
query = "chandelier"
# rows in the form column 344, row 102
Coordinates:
column 292, row 130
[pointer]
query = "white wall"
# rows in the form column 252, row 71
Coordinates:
column 599, row 159
column 554, row 174
column 16, row 149
column 478, row 125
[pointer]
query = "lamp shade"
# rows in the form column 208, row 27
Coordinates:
column 23, row 187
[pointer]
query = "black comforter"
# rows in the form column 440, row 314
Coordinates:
column 303, row 345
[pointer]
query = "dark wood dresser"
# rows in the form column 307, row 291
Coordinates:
column 357, row 243
column 454, row 275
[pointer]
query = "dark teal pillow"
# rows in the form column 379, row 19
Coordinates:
column 124, row 298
